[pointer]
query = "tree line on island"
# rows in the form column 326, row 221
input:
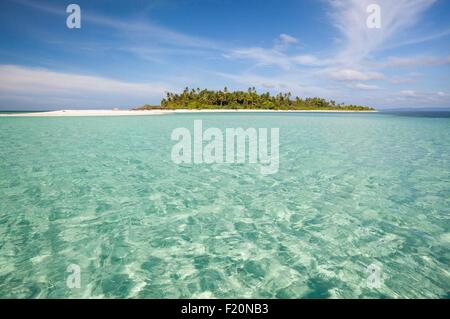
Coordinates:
column 210, row 99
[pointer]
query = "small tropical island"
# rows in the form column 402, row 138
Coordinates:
column 196, row 99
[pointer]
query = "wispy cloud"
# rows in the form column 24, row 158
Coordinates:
column 408, row 93
column 284, row 41
column 419, row 39
column 132, row 28
column 358, row 41
column 402, row 79
column 352, row 64
column 417, row 98
column 261, row 57
column 350, row 17
column 417, row 61
column 41, row 86
column 362, row 86
column 277, row 55
column 355, row 75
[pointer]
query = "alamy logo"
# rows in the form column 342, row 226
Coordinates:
column 74, row 19
column 240, row 146
column 374, row 278
column 74, row 279
column 374, row 19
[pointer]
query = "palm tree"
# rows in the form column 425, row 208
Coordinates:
column 197, row 98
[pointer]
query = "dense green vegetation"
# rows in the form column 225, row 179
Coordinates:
column 207, row 99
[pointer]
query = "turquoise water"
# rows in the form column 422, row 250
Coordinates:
column 102, row 192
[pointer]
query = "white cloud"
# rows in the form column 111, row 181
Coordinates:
column 421, row 98
column 288, row 39
column 402, row 79
column 284, row 41
column 408, row 93
column 350, row 17
column 362, row 86
column 262, row 57
column 38, row 87
column 351, row 63
column 309, row 60
column 273, row 56
column 354, row 75
column 417, row 61
column 358, row 42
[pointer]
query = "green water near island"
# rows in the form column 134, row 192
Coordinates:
column 102, row 193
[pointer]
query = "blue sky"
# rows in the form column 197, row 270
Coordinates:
column 128, row 53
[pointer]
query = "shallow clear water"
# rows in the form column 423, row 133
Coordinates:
column 102, row 192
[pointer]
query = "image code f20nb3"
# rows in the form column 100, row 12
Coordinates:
column 224, row 158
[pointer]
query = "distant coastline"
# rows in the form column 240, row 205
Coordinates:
column 60, row 113
column 196, row 100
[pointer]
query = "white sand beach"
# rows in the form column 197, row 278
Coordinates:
column 158, row 112
column 85, row 113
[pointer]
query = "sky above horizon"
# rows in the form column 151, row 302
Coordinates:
column 129, row 53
